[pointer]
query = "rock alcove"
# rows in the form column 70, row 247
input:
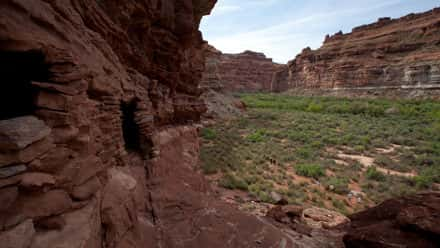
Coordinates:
column 130, row 128
column 19, row 70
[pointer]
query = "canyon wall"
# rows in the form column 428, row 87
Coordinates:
column 244, row 72
column 226, row 74
column 390, row 54
column 217, row 94
column 98, row 146
column 98, row 142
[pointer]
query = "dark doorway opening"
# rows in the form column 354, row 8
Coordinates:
column 17, row 71
column 130, row 129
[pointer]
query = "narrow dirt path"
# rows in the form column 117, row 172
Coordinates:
column 369, row 161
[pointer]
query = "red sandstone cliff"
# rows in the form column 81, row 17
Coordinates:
column 94, row 99
column 244, row 72
column 391, row 53
column 226, row 74
column 217, row 94
column 96, row 143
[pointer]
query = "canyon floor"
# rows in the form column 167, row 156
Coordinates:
column 341, row 154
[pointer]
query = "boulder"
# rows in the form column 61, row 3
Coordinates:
column 20, row 132
column 275, row 196
column 118, row 208
column 77, row 229
column 86, row 190
column 323, row 218
column 285, row 213
column 410, row 221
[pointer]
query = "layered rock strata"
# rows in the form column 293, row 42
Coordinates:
column 217, row 95
column 391, row 54
column 87, row 87
column 98, row 146
column 244, row 72
column 97, row 142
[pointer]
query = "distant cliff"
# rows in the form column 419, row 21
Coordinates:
column 399, row 53
column 244, row 72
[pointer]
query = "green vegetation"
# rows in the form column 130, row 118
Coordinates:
column 427, row 177
column 257, row 136
column 374, row 174
column 209, row 134
column 230, row 181
column 310, row 170
column 337, row 185
column 293, row 146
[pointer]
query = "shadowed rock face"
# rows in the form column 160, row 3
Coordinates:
column 386, row 54
column 86, row 86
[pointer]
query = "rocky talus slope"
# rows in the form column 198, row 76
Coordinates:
column 402, row 54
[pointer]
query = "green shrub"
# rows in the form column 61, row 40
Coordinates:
column 209, row 134
column 427, row 177
column 264, row 197
column 339, row 205
column 423, row 182
column 337, row 185
column 231, row 181
column 257, row 136
column 315, row 107
column 302, row 130
column 374, row 174
column 310, row 170
column 305, row 153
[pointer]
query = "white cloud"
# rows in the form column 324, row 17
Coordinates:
column 225, row 9
column 284, row 40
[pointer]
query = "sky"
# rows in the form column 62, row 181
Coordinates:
column 282, row 28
